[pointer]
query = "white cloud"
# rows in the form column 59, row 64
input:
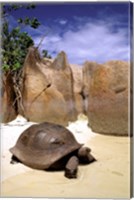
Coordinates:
column 96, row 42
column 63, row 22
column 87, row 40
column 60, row 21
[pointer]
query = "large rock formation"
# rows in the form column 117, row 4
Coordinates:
column 60, row 74
column 48, row 89
column 8, row 99
column 55, row 91
column 87, row 70
column 107, row 87
column 78, row 87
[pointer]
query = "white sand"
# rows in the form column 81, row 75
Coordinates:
column 108, row 177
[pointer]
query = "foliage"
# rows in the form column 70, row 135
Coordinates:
column 15, row 43
column 45, row 54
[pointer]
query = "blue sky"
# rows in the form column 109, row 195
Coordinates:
column 85, row 31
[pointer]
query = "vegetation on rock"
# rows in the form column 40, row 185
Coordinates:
column 15, row 45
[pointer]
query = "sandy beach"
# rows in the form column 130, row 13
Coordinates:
column 108, row 177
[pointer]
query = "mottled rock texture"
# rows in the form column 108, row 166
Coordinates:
column 59, row 73
column 7, row 107
column 48, row 90
column 108, row 89
column 78, row 88
column 87, row 71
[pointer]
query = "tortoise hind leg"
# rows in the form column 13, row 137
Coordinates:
column 84, row 155
column 71, row 167
column 14, row 160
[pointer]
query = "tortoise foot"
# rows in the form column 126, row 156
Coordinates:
column 84, row 155
column 71, row 167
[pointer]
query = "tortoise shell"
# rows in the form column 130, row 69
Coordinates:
column 41, row 145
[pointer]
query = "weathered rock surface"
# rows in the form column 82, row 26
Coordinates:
column 59, row 73
column 78, row 87
column 48, row 89
column 87, row 70
column 7, row 107
column 107, row 108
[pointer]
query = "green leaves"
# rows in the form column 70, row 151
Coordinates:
column 17, row 65
column 34, row 23
column 14, row 7
column 20, row 21
column 15, row 32
column 45, row 54
column 5, row 67
column 30, row 6
column 15, row 43
column 5, row 28
column 26, row 21
column 14, row 47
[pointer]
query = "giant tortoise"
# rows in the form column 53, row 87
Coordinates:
column 49, row 146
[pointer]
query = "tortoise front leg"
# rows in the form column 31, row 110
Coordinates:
column 71, row 167
column 84, row 155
